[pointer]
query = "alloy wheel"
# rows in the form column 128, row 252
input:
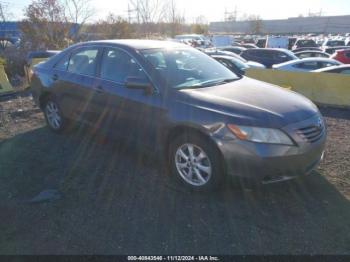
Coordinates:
column 193, row 164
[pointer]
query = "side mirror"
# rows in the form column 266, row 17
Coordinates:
column 242, row 72
column 139, row 83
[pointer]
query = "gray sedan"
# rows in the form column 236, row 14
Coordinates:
column 206, row 122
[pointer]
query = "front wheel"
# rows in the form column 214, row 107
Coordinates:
column 195, row 162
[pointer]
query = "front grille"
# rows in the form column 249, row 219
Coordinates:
column 312, row 133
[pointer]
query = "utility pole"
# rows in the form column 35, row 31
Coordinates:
column 231, row 16
column 3, row 5
column 131, row 13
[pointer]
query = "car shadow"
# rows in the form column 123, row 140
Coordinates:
column 120, row 200
column 339, row 113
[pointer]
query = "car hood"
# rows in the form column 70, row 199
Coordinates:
column 252, row 102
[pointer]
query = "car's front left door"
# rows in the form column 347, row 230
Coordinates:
column 133, row 114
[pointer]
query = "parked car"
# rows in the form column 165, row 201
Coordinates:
column 333, row 43
column 277, row 42
column 249, row 46
column 206, row 121
column 298, row 50
column 40, row 55
column 342, row 69
column 236, row 65
column 291, row 42
column 234, row 49
column 261, row 42
column 310, row 53
column 213, row 51
column 302, row 43
column 268, row 56
column 342, row 55
column 332, row 50
column 306, row 64
column 193, row 40
column 35, row 57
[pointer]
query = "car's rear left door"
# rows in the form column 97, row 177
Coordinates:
column 77, row 84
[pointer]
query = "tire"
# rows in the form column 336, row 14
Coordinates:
column 204, row 172
column 54, row 117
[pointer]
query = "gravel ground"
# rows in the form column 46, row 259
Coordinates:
column 117, row 201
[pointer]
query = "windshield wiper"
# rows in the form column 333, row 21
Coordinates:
column 210, row 83
column 218, row 82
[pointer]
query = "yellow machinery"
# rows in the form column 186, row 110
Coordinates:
column 323, row 88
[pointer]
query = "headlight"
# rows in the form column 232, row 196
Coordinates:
column 260, row 135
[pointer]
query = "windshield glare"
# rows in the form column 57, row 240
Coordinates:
column 187, row 68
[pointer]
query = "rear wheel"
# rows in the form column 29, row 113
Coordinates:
column 195, row 162
column 54, row 117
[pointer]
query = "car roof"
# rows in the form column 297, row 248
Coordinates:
column 330, row 68
column 320, row 59
column 337, row 47
column 309, row 59
column 343, row 50
column 226, row 57
column 269, row 49
column 233, row 47
column 141, row 44
column 305, row 39
column 310, row 51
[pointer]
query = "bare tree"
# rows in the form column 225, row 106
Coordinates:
column 78, row 12
column 45, row 25
column 256, row 24
column 113, row 27
column 200, row 25
column 174, row 18
column 4, row 14
column 148, row 12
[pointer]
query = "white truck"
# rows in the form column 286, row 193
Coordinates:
column 222, row 40
column 277, row 42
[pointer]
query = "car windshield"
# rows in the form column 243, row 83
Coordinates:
column 239, row 64
column 188, row 68
column 306, row 43
column 336, row 43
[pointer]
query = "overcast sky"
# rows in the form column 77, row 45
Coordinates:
column 214, row 10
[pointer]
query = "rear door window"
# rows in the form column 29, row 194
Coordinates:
column 325, row 64
column 346, row 71
column 308, row 65
column 84, row 62
column 253, row 53
column 63, row 63
column 305, row 55
column 281, row 56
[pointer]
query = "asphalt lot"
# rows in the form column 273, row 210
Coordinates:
column 119, row 201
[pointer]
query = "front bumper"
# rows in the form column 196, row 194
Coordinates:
column 268, row 163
